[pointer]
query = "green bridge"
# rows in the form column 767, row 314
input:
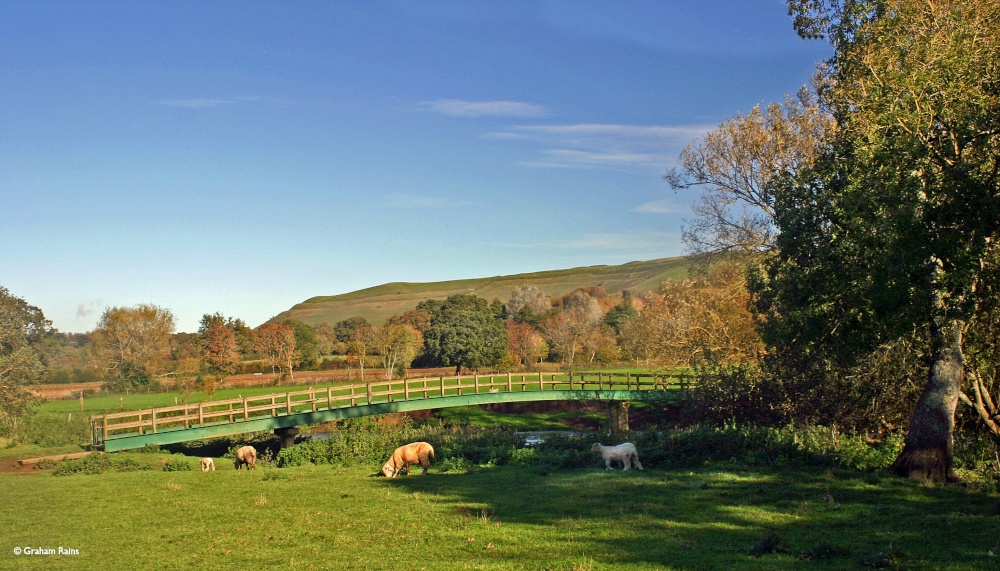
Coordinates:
column 282, row 412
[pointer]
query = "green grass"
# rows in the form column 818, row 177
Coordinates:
column 477, row 416
column 510, row 518
column 378, row 303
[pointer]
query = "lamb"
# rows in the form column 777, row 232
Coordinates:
column 207, row 464
column 413, row 453
column 246, row 455
column 624, row 453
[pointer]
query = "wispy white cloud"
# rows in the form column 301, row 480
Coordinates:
column 399, row 200
column 662, row 206
column 196, row 103
column 210, row 102
column 640, row 242
column 463, row 108
column 603, row 146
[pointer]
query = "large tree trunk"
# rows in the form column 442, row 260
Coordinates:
column 928, row 451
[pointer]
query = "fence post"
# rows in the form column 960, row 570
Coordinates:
column 104, row 428
column 201, row 414
column 368, row 386
column 288, row 403
column 153, row 412
column 423, row 383
column 329, row 397
column 312, row 398
column 510, row 383
column 406, row 389
column 475, row 381
column 246, row 412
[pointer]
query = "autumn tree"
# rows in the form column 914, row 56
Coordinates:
column 527, row 304
column 131, row 344
column 275, row 342
column 418, row 319
column 396, row 344
column 357, row 349
column 525, row 344
column 733, row 167
column 692, row 321
column 889, row 233
column 23, row 329
column 218, row 344
column 565, row 331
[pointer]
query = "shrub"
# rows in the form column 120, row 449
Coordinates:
column 98, row 464
column 177, row 466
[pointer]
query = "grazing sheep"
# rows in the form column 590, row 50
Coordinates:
column 207, row 464
column 413, row 453
column 624, row 453
column 246, row 455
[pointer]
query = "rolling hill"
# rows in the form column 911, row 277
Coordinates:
column 376, row 304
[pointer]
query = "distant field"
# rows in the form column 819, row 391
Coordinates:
column 376, row 304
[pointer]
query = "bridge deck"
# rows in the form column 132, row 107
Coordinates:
column 166, row 425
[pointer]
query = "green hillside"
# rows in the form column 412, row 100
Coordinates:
column 378, row 303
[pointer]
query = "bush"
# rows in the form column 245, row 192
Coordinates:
column 177, row 466
column 48, row 429
column 98, row 464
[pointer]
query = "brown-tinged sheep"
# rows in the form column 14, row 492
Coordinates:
column 624, row 453
column 413, row 453
column 207, row 464
column 246, row 455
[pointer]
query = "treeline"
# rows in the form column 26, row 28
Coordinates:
column 679, row 324
column 134, row 349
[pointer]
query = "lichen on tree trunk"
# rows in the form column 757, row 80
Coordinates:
column 928, row 452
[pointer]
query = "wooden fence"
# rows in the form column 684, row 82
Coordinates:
column 140, row 422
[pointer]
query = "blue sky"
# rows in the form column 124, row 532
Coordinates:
column 241, row 157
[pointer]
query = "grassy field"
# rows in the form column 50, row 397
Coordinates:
column 509, row 518
column 378, row 303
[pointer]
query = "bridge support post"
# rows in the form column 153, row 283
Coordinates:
column 287, row 436
column 618, row 416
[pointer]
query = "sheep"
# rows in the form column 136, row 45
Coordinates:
column 207, row 464
column 624, row 453
column 246, row 455
column 413, row 453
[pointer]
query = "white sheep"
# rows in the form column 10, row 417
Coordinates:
column 207, row 464
column 246, row 456
column 413, row 453
column 624, row 453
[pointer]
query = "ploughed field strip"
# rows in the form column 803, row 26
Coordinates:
column 282, row 412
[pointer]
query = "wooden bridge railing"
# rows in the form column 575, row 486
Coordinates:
column 246, row 408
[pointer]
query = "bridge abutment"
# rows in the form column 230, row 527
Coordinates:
column 618, row 416
column 287, row 436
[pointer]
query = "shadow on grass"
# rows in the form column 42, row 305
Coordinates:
column 726, row 517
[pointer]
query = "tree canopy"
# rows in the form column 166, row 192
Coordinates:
column 466, row 331
column 889, row 234
column 23, row 328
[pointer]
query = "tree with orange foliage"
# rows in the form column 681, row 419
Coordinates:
column 276, row 343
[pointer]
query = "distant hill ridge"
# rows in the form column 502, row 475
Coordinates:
column 376, row 304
